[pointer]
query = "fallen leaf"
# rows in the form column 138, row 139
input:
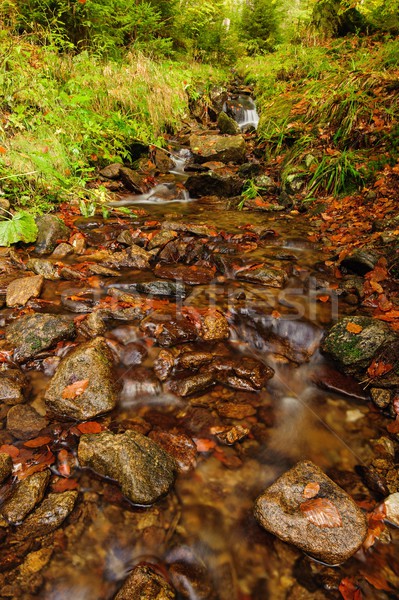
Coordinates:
column 311, row 490
column 75, row 389
column 37, row 442
column 354, row 327
column 205, row 445
column 321, row 512
column 378, row 368
column 62, row 485
column 90, row 427
column 325, row 298
column 349, row 590
column 394, row 426
column 12, row 451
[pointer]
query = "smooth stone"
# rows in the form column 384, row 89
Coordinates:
column 329, row 527
column 51, row 231
column 141, row 467
column 111, row 171
column 48, row 516
column 169, row 328
column 5, row 466
column 32, row 334
column 227, row 125
column 20, row 291
column 161, row 238
column 145, row 584
column 332, row 380
column 44, row 267
column 133, row 258
column 92, row 362
column 216, row 147
column 25, row 496
column 24, row 422
column 62, row 251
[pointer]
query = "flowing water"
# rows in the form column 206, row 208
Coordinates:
column 203, row 535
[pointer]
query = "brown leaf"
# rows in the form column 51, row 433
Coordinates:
column 311, row 490
column 62, row 485
column 12, row 451
column 354, row 328
column 75, row 389
column 321, row 512
column 37, row 442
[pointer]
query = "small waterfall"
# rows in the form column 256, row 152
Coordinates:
column 243, row 110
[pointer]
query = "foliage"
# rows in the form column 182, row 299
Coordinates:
column 260, row 26
column 17, row 227
column 250, row 191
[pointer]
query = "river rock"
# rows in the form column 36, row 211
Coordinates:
column 43, row 267
column 227, row 125
column 381, row 397
column 25, row 496
column 91, row 364
column 31, row 334
column 11, row 389
column 216, row 182
column 133, row 258
column 51, row 230
column 141, row 467
column 160, row 287
column 21, row 290
column 24, row 422
column 161, row 238
column 162, row 160
column 62, row 251
column 111, row 171
column 51, row 513
column 357, row 349
column 132, row 181
column 193, row 384
column 192, row 275
column 145, row 584
column 360, row 261
column 218, row 148
column 169, row 327
column 264, row 274
column 214, row 326
column 306, row 508
column 5, row 466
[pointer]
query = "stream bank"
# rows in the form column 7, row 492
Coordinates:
column 162, row 369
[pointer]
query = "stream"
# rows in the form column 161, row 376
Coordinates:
column 231, row 436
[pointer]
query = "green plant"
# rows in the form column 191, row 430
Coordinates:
column 17, row 227
column 250, row 192
column 337, row 174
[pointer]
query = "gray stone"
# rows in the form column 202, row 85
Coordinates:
column 24, row 422
column 329, row 525
column 132, row 181
column 5, row 466
column 142, row 468
column 145, row 584
column 62, row 250
column 91, row 363
column 24, row 497
column 51, row 513
column 227, row 125
column 360, row 261
column 51, row 230
column 218, row 148
column 43, row 267
column 20, row 291
column 32, row 334
column 111, row 171
column 357, row 349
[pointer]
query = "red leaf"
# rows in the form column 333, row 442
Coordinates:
column 205, row 445
column 311, row 490
column 321, row 512
column 12, row 451
column 75, row 389
column 90, row 427
column 62, row 485
column 37, row 442
column 349, row 590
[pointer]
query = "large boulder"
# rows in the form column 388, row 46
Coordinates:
column 306, row 508
column 145, row 584
column 51, row 230
column 141, row 467
column 218, row 148
column 32, row 334
column 354, row 341
column 84, row 384
column 227, row 125
column 217, row 182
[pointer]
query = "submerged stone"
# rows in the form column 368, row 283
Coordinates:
column 24, row 497
column 24, row 422
column 5, row 466
column 51, row 513
column 141, row 467
column 145, row 584
column 306, row 508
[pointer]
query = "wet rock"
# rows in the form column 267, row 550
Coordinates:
column 381, row 397
column 235, row 410
column 31, row 334
column 227, row 125
column 270, row 276
column 20, row 291
column 219, row 148
column 332, row 380
column 392, row 508
column 51, row 231
column 132, row 181
column 104, row 271
column 194, row 360
column 43, row 267
column 360, row 262
column 357, row 349
column 133, row 354
column 49, row 516
column 244, row 373
column 71, row 274
column 145, row 584
column 11, row 389
column 178, row 445
column 93, row 325
column 194, row 383
column 62, row 251
column 169, row 328
column 161, row 238
column 23, row 422
column 139, row 382
column 90, row 363
column 141, row 467
column 160, row 287
column 192, row 275
column 249, row 170
column 111, row 171
column 133, row 258
column 162, row 160
column 373, row 480
column 230, row 435
column 329, row 526
column 24, row 497
column 220, row 183
column 5, row 466
column 163, row 364
column 192, row 580
column 214, row 326
column 194, row 228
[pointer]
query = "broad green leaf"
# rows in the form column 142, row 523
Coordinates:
column 21, row 228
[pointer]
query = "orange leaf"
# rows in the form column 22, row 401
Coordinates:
column 62, row 485
column 2, row 150
column 204, row 445
column 311, row 490
column 378, row 368
column 349, row 590
column 323, row 298
column 37, row 442
column 321, row 512
column 12, row 451
column 75, row 389
column 90, row 427
column 354, row 328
